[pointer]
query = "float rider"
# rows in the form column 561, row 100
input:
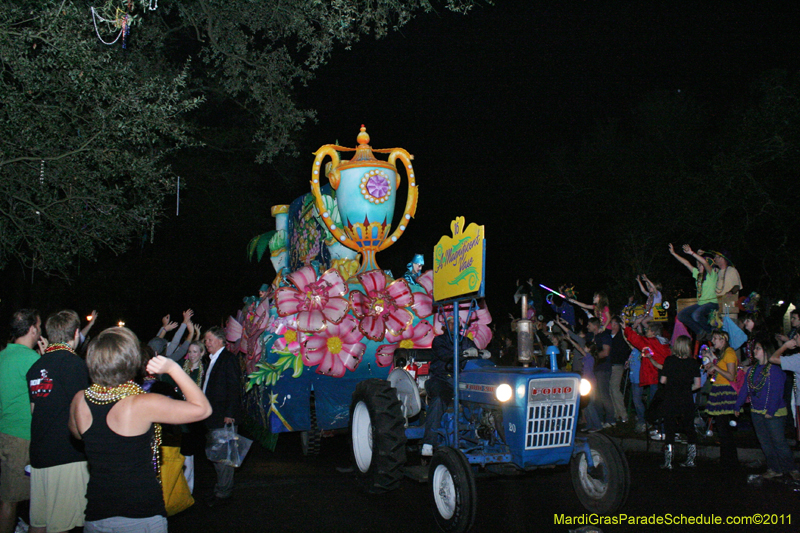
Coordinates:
column 414, row 269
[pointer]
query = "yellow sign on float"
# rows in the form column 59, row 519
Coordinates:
column 458, row 262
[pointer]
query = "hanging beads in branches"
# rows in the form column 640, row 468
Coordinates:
column 121, row 21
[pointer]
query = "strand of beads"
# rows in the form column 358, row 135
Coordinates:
column 100, row 395
column 59, row 346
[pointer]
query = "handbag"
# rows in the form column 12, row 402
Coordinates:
column 736, row 337
column 654, row 414
column 227, row 447
column 177, row 497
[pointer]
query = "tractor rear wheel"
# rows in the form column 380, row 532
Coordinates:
column 378, row 439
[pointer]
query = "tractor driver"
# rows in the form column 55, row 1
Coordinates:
column 439, row 386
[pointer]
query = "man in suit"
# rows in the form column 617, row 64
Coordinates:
column 222, row 387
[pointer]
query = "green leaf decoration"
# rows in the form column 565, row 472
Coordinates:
column 258, row 245
column 298, row 367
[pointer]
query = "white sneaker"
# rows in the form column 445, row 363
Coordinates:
column 427, row 450
column 655, row 435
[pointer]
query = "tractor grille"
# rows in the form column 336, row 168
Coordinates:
column 551, row 413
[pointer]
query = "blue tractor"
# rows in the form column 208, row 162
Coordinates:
column 502, row 419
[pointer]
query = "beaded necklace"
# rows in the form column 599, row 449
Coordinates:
column 59, row 346
column 754, row 387
column 187, row 367
column 100, row 395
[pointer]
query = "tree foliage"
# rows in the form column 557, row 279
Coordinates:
column 83, row 135
column 86, row 128
column 669, row 172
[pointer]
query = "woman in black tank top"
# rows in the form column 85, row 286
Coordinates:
column 120, row 427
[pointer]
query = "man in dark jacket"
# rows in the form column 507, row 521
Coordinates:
column 223, row 388
column 439, row 386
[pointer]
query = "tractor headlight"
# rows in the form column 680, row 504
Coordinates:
column 585, row 387
column 504, row 392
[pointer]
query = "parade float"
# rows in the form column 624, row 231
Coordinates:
column 332, row 318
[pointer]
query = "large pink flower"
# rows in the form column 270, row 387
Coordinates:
column 382, row 309
column 335, row 349
column 420, row 336
column 318, row 303
column 423, row 301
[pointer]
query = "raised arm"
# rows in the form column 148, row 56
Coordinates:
column 641, row 286
column 699, row 257
column 775, row 358
column 580, row 304
column 161, row 409
column 685, row 262
column 166, row 326
column 92, row 320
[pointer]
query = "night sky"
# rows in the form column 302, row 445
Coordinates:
column 481, row 101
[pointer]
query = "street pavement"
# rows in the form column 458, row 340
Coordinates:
column 283, row 491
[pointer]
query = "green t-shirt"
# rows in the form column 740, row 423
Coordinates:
column 708, row 291
column 15, row 405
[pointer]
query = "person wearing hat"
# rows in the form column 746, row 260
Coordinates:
column 414, row 269
column 729, row 283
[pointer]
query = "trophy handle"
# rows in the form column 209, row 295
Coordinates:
column 411, row 201
column 316, row 172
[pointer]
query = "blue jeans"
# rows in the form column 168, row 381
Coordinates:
column 440, row 392
column 638, row 402
column 590, row 411
column 773, row 443
column 605, row 406
column 695, row 317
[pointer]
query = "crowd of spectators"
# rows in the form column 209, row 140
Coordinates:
column 691, row 376
column 81, row 438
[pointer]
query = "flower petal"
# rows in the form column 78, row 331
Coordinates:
column 385, row 354
column 351, row 355
column 233, row 330
column 423, row 305
column 422, row 335
column 287, row 301
column 359, row 303
column 336, row 309
column 331, row 366
column 400, row 293
column 333, row 283
column 398, row 320
column 312, row 321
column 426, row 280
column 373, row 281
column 349, row 331
column 373, row 328
column 481, row 335
column 303, row 277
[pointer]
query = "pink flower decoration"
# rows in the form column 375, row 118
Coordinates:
column 420, row 336
column 335, row 349
column 290, row 339
column 478, row 328
column 423, row 301
column 382, row 309
column 317, row 303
